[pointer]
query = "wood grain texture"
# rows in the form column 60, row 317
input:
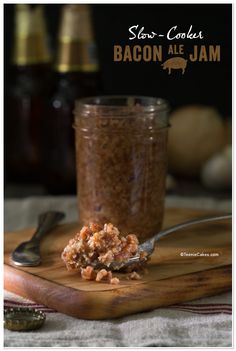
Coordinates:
column 171, row 278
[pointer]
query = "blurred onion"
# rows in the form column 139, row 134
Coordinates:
column 217, row 171
column 196, row 134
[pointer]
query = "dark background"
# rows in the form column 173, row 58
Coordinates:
column 203, row 82
column 208, row 83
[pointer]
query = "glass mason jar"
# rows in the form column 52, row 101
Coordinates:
column 121, row 161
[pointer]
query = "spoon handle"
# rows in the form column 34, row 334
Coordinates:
column 47, row 221
column 189, row 223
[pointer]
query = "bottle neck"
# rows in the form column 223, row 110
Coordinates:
column 76, row 56
column 77, row 49
column 30, row 50
column 30, row 41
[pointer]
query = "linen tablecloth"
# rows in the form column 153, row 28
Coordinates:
column 201, row 323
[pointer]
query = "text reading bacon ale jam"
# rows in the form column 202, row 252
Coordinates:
column 155, row 53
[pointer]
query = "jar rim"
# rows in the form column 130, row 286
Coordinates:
column 109, row 103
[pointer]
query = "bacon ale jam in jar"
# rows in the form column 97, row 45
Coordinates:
column 121, row 161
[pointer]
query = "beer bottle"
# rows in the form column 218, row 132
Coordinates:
column 77, row 75
column 25, row 99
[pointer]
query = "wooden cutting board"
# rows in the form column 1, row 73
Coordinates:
column 171, row 278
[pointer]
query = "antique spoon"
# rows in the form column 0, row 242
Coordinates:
column 149, row 245
column 28, row 252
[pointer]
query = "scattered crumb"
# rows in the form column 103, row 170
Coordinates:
column 102, row 275
column 135, row 276
column 114, row 281
column 88, row 273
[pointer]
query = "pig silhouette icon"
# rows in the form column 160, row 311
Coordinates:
column 175, row 63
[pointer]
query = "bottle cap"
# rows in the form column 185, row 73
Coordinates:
column 21, row 318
